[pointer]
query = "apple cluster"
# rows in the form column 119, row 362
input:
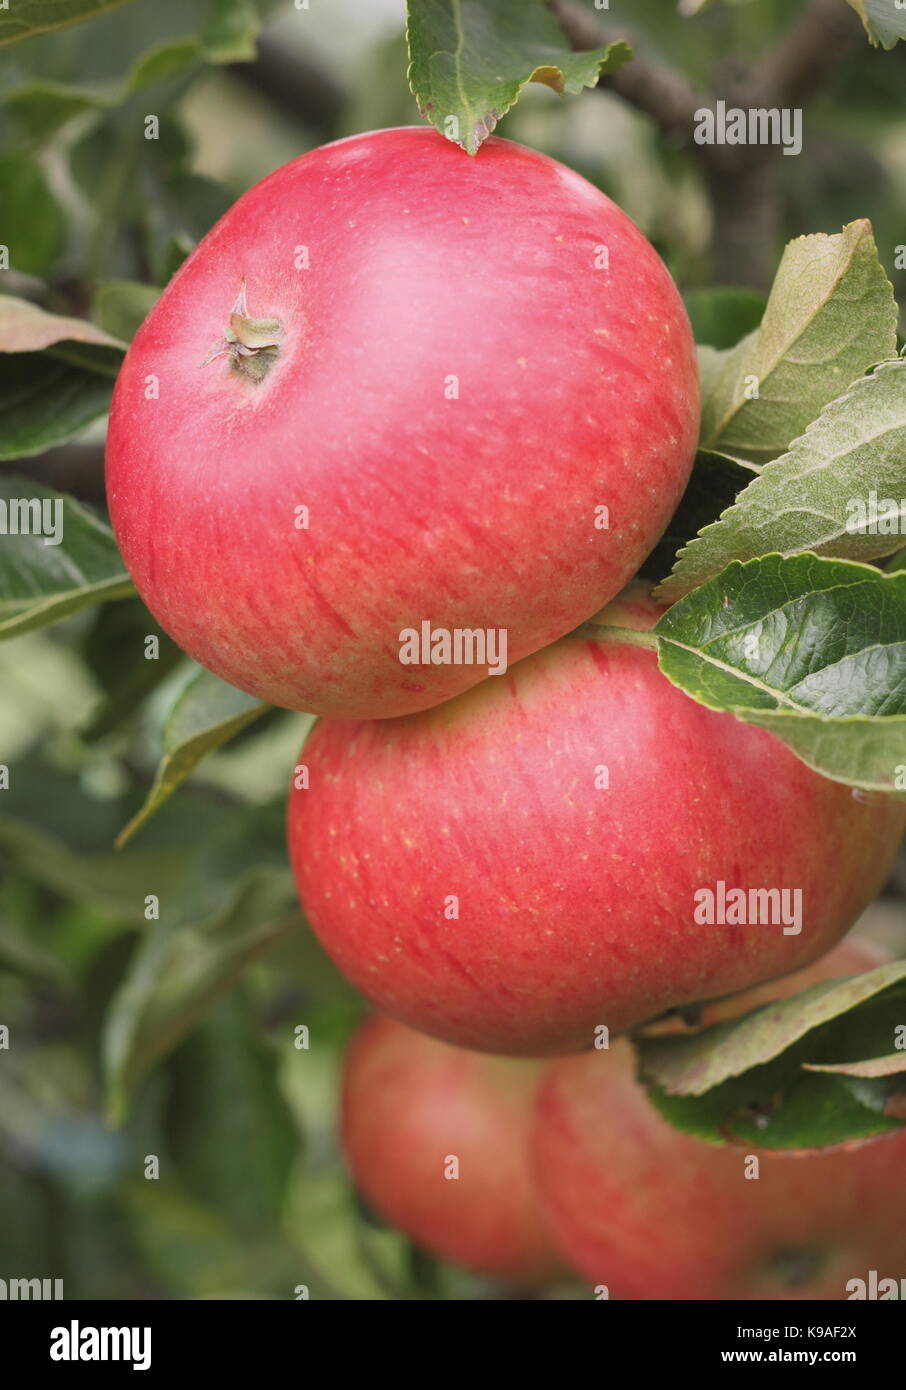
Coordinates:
column 525, row 1170
column 438, row 395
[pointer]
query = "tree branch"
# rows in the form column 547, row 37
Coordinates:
column 653, row 88
column 804, row 59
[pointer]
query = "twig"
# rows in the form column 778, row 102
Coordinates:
column 803, row 60
column 659, row 91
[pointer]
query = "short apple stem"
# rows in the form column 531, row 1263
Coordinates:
column 251, row 344
column 627, row 636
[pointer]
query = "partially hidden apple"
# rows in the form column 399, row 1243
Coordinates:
column 439, row 1141
column 576, row 846
column 399, row 398
column 648, row 1212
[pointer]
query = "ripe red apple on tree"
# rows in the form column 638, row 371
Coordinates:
column 519, row 866
column 393, row 386
column 652, row 1213
column 439, row 1140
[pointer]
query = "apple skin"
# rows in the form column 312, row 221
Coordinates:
column 409, row 1102
column 652, row 1213
column 577, row 388
column 575, row 904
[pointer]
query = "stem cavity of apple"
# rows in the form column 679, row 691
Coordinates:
column 252, row 345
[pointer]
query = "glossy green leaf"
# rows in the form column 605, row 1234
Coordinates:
column 812, row 649
column 41, row 583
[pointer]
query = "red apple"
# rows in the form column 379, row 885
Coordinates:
column 652, row 1213
column 478, row 874
column 442, row 370
column 416, row 1112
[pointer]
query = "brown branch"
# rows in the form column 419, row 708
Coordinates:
column 653, row 88
column 805, row 58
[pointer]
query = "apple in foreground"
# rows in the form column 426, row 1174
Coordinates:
column 649, row 1212
column 398, row 386
column 515, row 869
column 438, row 1140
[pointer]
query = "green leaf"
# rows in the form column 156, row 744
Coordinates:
column 25, row 957
column 24, row 327
column 771, row 1078
column 229, row 34
column 109, row 881
column 813, row 650
column 885, row 24
column 31, row 223
column 206, row 714
column 57, row 377
column 25, row 18
column 41, row 583
column 41, row 107
column 45, row 401
column 840, row 491
column 229, row 1128
column 831, row 316
column 470, row 59
column 185, row 1244
column 179, row 972
column 116, row 654
column 723, row 314
column 121, row 306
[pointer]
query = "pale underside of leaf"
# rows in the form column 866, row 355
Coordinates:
column 805, row 500
column 26, row 328
column 831, row 316
column 692, row 1066
column 872, row 1066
